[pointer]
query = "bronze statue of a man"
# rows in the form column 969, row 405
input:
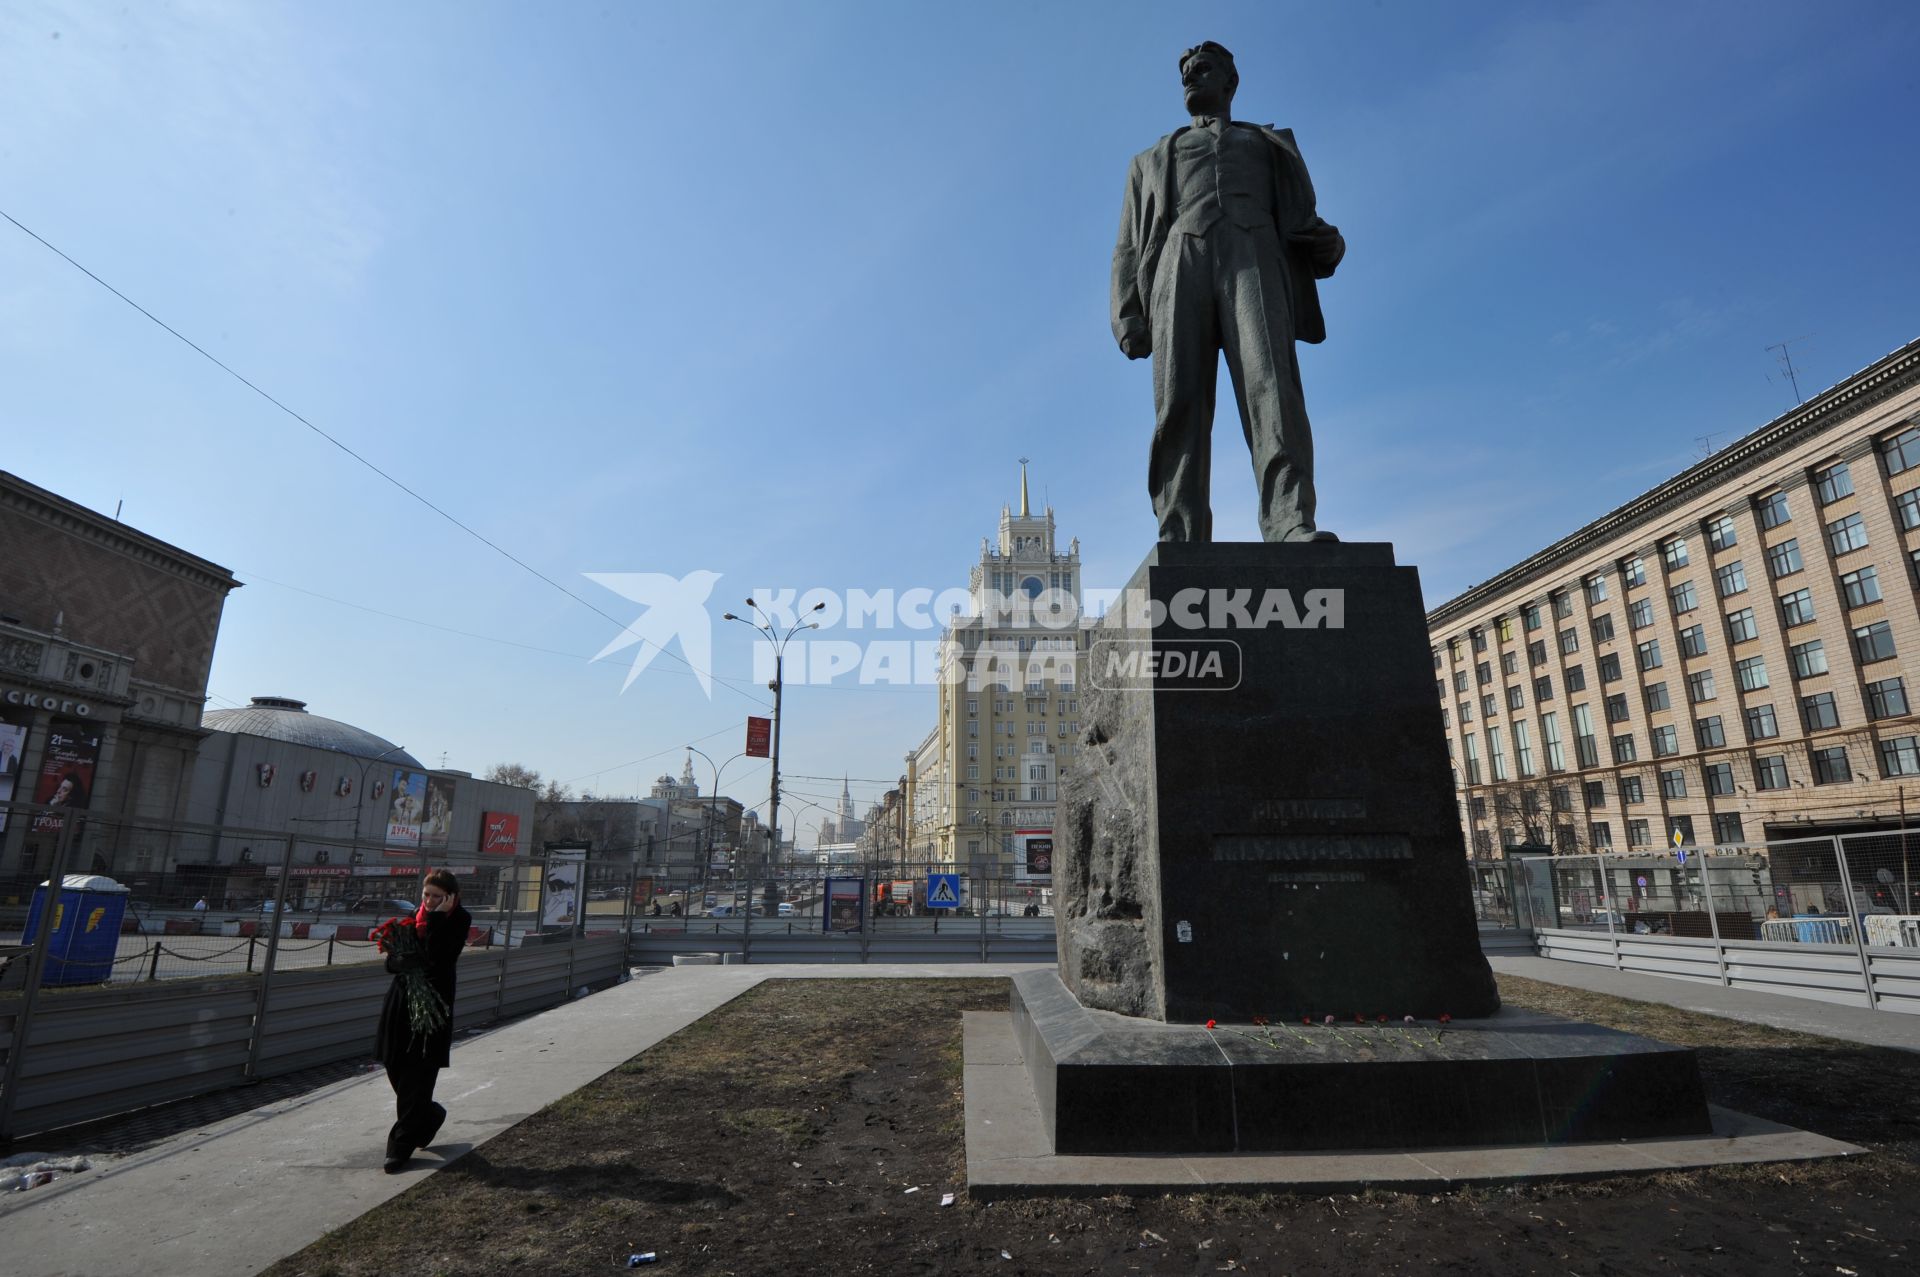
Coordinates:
column 1219, row 249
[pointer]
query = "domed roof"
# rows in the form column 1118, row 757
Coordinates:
column 281, row 718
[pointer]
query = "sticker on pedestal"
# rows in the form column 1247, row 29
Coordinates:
column 1183, row 932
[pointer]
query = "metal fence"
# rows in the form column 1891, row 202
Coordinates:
column 214, row 955
column 1833, row 918
column 244, row 954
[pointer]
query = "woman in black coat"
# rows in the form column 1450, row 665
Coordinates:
column 414, row 1060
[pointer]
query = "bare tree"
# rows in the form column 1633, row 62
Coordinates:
column 513, row 774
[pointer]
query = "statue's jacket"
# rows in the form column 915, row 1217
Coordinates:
column 1312, row 248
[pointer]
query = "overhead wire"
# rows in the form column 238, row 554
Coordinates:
column 349, row 451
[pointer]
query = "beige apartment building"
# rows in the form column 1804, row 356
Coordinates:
column 982, row 787
column 1729, row 656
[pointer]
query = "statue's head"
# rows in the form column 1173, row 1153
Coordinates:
column 1207, row 74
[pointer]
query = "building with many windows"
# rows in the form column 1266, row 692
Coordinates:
column 1728, row 657
column 982, row 787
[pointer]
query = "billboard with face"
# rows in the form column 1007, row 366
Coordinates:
column 405, row 808
column 66, row 773
column 436, row 825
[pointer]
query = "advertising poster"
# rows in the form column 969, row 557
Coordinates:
column 759, row 737
column 66, row 773
column 642, row 892
column 1036, row 853
column 405, row 809
column 436, row 826
column 13, row 748
column 560, row 888
column 499, row 832
column 843, row 904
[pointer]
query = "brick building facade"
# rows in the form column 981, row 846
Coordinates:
column 106, row 640
column 1730, row 656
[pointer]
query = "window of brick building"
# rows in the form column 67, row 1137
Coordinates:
column 1886, row 698
column 1809, row 659
column 1819, row 712
column 1833, row 483
column 1902, row 450
column 1847, row 535
column 1830, row 766
column 1861, row 587
column 1873, row 642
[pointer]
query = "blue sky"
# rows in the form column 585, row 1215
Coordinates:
column 782, row 291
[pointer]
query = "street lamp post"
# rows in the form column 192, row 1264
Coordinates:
column 713, row 806
column 765, row 626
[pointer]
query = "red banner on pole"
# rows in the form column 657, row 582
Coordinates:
column 759, row 737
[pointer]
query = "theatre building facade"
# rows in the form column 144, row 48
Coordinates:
column 1731, row 657
column 106, row 639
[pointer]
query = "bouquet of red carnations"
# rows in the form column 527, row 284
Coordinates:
column 404, row 939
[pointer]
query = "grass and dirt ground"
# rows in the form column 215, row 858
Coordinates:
column 783, row 1134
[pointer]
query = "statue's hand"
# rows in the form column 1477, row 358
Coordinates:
column 1135, row 347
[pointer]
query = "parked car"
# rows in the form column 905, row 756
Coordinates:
column 786, row 909
column 386, row 906
column 722, row 911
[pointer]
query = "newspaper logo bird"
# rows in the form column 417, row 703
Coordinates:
column 673, row 608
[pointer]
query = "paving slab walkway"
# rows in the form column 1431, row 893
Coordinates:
column 235, row 1196
column 1895, row 1029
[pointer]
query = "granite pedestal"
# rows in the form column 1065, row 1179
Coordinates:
column 1262, row 826
column 1108, row 1083
column 1262, row 818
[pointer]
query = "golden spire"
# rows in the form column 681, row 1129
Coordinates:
column 1025, row 511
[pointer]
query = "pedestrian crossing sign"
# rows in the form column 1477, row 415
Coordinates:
column 943, row 891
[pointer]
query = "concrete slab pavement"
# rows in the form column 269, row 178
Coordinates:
column 234, row 1197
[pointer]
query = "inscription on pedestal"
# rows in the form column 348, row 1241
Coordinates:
column 1281, row 811
column 1228, row 847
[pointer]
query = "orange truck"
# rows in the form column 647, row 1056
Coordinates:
column 899, row 898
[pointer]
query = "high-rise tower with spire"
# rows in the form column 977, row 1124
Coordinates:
column 983, row 785
column 844, row 826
